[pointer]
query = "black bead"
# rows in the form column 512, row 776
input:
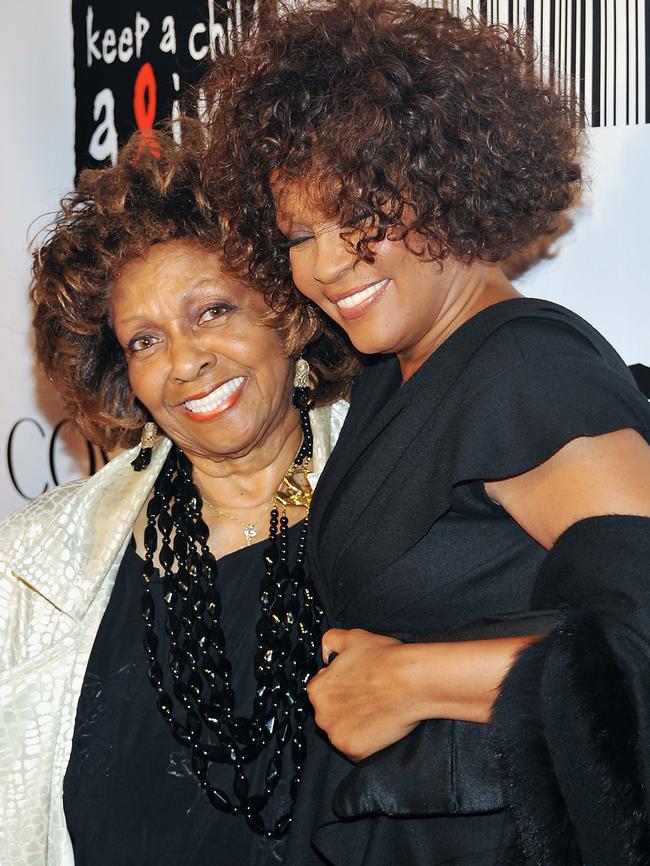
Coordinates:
column 273, row 771
column 240, row 786
column 165, row 704
column 219, row 799
column 255, row 822
column 150, row 538
column 150, row 642
column 283, row 824
column 200, row 765
column 147, row 608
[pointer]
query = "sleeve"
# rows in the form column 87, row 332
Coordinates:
column 572, row 721
column 550, row 385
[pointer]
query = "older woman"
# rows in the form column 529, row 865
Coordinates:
column 394, row 157
column 158, row 629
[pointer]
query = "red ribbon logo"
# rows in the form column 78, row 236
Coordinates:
column 144, row 107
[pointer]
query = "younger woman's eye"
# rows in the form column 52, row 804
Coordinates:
column 215, row 311
column 290, row 243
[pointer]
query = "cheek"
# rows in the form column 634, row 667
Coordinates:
column 279, row 375
column 275, row 378
column 301, row 276
column 136, row 387
column 393, row 256
column 143, row 385
column 263, row 352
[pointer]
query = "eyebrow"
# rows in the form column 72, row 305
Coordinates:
column 202, row 283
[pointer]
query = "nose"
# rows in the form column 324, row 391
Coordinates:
column 189, row 358
column 333, row 257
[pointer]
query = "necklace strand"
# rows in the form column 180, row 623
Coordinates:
column 195, row 693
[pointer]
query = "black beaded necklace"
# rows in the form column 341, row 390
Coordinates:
column 196, row 683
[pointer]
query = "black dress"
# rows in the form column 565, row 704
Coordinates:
column 130, row 796
column 404, row 541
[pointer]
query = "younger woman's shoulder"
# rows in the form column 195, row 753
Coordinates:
column 545, row 327
column 527, row 332
column 536, row 377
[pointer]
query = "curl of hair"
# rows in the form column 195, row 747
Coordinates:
column 389, row 114
column 154, row 194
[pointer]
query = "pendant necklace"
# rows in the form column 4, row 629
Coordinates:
column 249, row 530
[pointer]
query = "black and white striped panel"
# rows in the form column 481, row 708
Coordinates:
column 597, row 48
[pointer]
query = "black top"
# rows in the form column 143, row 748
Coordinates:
column 403, row 539
column 130, row 796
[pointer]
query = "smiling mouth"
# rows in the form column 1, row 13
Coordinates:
column 355, row 304
column 215, row 399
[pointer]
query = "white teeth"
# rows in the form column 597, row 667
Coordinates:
column 354, row 300
column 209, row 403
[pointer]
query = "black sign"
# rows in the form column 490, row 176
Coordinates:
column 132, row 64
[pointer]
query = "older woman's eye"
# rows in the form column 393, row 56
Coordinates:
column 215, row 311
column 140, row 344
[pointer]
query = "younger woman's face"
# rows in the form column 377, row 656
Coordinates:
column 387, row 306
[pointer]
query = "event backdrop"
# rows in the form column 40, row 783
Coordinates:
column 76, row 81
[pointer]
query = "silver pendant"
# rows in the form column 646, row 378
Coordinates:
column 250, row 533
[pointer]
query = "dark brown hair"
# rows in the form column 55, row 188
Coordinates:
column 396, row 115
column 154, row 194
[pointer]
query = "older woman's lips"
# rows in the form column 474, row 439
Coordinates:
column 216, row 402
column 356, row 304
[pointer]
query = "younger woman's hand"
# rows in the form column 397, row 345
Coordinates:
column 360, row 699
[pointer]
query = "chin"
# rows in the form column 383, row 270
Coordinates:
column 369, row 339
column 372, row 344
column 215, row 444
column 217, row 451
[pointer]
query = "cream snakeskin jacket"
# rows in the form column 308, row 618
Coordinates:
column 58, row 560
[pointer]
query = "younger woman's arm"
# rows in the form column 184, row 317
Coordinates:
column 376, row 689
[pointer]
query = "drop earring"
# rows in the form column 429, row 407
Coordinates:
column 303, row 401
column 147, row 441
column 302, row 398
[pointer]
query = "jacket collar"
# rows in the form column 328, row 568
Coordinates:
column 73, row 546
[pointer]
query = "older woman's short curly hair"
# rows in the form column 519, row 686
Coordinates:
column 154, row 194
column 390, row 114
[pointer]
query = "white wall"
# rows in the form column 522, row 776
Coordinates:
column 601, row 267
column 36, row 167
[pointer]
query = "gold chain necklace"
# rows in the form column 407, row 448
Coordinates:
column 249, row 529
column 293, row 490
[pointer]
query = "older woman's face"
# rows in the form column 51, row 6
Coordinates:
column 213, row 377
column 389, row 305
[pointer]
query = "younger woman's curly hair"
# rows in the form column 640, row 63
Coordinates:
column 154, row 194
column 389, row 114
